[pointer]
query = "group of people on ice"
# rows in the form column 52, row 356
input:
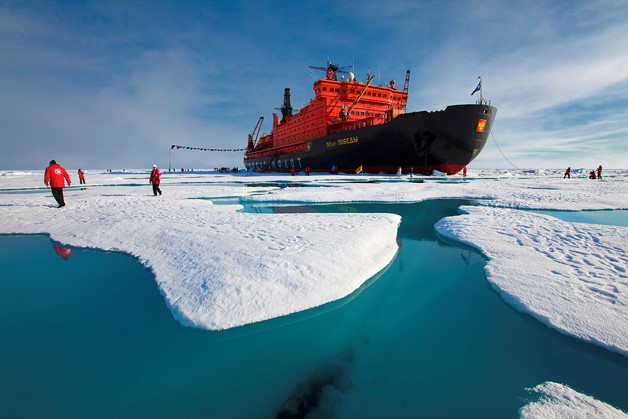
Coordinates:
column 56, row 176
column 599, row 173
column 593, row 174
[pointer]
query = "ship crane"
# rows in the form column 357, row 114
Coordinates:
column 344, row 113
column 406, row 85
column 254, row 136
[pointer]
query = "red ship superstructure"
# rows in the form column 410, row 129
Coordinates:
column 337, row 106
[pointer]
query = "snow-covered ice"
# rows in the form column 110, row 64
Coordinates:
column 511, row 192
column 219, row 268
column 560, row 401
column 571, row 276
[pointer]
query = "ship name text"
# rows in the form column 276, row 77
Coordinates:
column 342, row 141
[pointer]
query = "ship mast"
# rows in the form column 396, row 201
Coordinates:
column 481, row 96
column 331, row 70
column 481, row 100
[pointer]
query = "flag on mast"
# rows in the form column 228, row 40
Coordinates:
column 478, row 88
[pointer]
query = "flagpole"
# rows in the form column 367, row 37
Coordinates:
column 479, row 87
column 170, row 158
column 481, row 97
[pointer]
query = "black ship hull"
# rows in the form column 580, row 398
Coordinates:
column 419, row 142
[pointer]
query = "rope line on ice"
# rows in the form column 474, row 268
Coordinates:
column 502, row 153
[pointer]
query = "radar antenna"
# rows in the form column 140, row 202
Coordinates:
column 331, row 70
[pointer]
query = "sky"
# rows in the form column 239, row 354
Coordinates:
column 113, row 84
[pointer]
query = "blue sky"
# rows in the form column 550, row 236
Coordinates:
column 111, row 84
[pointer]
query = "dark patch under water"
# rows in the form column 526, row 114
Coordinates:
column 308, row 398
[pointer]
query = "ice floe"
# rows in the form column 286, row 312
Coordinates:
column 571, row 276
column 559, row 401
column 219, row 268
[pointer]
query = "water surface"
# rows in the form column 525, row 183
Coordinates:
column 605, row 217
column 87, row 334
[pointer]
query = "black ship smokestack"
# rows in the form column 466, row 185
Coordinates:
column 286, row 109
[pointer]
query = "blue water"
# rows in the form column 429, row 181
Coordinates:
column 610, row 217
column 91, row 336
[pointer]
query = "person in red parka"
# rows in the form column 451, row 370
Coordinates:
column 155, row 179
column 56, row 176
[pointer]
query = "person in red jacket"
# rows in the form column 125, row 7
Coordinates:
column 155, row 179
column 56, row 176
